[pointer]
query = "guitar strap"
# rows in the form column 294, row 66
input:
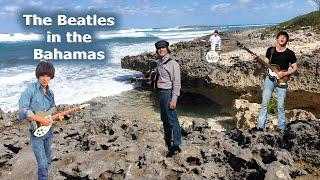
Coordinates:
column 272, row 51
column 167, row 61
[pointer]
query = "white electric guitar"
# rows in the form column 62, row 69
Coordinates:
column 41, row 130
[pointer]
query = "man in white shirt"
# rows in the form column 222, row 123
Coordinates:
column 215, row 41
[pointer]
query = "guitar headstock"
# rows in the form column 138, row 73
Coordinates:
column 84, row 106
column 240, row 45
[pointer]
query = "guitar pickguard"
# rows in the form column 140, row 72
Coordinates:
column 272, row 74
column 42, row 130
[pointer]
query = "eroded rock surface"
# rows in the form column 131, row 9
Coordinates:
column 236, row 75
column 93, row 145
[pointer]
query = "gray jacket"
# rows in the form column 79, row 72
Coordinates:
column 169, row 76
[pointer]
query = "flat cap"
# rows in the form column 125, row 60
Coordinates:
column 161, row 44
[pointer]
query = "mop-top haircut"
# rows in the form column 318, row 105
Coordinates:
column 45, row 68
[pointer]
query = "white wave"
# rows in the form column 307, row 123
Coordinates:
column 143, row 29
column 120, row 34
column 16, row 79
column 245, row 25
column 160, row 34
column 99, row 82
column 118, row 52
column 168, row 29
column 182, row 35
column 72, row 84
column 174, row 29
column 20, row 37
column 13, row 81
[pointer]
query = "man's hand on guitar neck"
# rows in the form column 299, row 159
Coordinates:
column 60, row 118
column 42, row 120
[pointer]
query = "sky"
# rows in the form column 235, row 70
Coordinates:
column 166, row 13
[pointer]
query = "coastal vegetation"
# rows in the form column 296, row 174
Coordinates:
column 310, row 20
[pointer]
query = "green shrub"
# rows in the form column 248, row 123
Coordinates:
column 273, row 106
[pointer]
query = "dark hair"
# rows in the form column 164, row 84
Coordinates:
column 45, row 68
column 167, row 50
column 283, row 33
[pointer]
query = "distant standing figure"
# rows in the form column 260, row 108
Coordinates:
column 215, row 41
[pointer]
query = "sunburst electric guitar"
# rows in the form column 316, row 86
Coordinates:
column 41, row 130
column 271, row 69
column 152, row 79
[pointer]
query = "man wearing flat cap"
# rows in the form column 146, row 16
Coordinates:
column 169, row 85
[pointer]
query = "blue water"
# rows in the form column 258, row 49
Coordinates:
column 77, row 81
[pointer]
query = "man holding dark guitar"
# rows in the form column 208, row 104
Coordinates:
column 168, row 84
column 287, row 62
column 37, row 96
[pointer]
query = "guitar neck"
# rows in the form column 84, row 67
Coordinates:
column 141, row 79
column 67, row 112
column 261, row 61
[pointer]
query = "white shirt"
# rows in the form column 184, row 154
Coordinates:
column 215, row 41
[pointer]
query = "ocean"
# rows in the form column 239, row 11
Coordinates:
column 77, row 81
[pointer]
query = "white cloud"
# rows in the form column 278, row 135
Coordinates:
column 283, row 5
column 221, row 7
column 144, row 1
column 11, row 9
column 35, row 3
column 99, row 1
column 312, row 3
column 260, row 7
column 91, row 7
column 77, row 8
column 104, row 1
column 191, row 8
column 274, row 5
column 308, row 6
column 3, row 15
column 145, row 10
column 244, row 1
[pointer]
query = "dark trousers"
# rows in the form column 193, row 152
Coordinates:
column 170, row 120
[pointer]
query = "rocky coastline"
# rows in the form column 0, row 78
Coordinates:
column 111, row 141
column 236, row 75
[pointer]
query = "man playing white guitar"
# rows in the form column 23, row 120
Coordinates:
column 37, row 104
column 287, row 62
column 35, row 97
